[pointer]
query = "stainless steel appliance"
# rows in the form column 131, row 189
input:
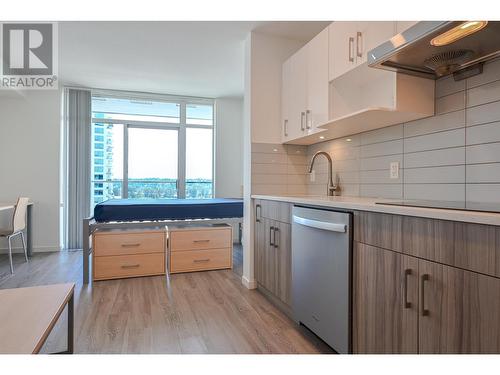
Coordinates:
column 432, row 49
column 321, row 274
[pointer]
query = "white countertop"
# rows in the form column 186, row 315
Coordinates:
column 368, row 204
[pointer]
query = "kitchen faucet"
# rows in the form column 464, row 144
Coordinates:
column 331, row 188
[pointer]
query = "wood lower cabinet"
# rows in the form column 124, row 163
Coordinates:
column 459, row 310
column 273, row 252
column 385, row 300
column 402, row 304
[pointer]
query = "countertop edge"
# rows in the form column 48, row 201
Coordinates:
column 368, row 204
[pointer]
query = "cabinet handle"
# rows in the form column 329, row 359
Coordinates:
column 302, row 115
column 308, row 119
column 276, row 244
column 405, row 289
column 130, row 244
column 201, row 260
column 257, row 213
column 199, row 241
column 351, row 49
column 131, row 266
column 285, row 128
column 271, row 231
column 425, row 278
column 359, row 44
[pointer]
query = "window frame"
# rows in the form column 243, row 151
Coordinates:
column 181, row 127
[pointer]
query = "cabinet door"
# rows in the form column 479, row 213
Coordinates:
column 404, row 25
column 285, row 99
column 284, row 254
column 342, row 53
column 268, row 262
column 458, row 310
column 385, row 301
column 317, row 81
column 370, row 34
column 298, row 94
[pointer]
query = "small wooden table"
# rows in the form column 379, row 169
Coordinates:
column 28, row 315
column 29, row 243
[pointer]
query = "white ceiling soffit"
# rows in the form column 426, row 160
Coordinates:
column 182, row 58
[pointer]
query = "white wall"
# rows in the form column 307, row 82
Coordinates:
column 29, row 160
column 264, row 56
column 228, row 148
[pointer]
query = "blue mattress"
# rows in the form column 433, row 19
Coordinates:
column 167, row 209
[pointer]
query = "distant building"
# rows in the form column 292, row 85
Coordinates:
column 102, row 162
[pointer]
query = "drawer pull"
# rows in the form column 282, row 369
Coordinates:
column 130, row 244
column 127, row 266
column 200, row 241
column 201, row 260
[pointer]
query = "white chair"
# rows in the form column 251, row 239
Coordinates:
column 18, row 225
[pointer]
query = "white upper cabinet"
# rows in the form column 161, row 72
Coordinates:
column 350, row 42
column 305, row 89
column 317, row 81
column 342, row 49
column 404, row 25
column 285, row 98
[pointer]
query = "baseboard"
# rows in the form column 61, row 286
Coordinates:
column 249, row 284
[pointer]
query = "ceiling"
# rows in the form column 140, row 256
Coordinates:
column 183, row 58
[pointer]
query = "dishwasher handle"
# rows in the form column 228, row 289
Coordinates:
column 332, row 227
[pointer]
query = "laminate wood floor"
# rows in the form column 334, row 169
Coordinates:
column 201, row 312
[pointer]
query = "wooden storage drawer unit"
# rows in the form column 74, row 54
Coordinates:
column 115, row 267
column 183, row 240
column 128, row 253
column 200, row 248
column 200, row 260
column 123, row 243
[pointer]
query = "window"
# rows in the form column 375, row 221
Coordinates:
column 151, row 148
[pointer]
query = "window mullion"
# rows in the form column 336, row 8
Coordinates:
column 125, row 162
column 181, row 173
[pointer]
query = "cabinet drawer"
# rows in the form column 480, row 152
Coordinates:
column 377, row 229
column 279, row 211
column 474, row 247
column 114, row 267
column 198, row 239
column 200, row 260
column 117, row 243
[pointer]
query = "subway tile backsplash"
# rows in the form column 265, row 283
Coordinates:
column 454, row 155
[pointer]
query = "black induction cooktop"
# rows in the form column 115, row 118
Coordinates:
column 449, row 205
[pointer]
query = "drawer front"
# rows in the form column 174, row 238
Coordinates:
column 474, row 247
column 279, row 211
column 114, row 267
column 106, row 244
column 377, row 229
column 200, row 239
column 200, row 260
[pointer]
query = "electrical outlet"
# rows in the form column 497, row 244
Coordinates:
column 312, row 176
column 394, row 170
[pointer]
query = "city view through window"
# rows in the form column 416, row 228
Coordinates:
column 142, row 149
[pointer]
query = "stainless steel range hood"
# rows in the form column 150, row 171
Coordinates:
column 412, row 52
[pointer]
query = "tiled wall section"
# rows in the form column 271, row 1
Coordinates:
column 279, row 169
column 454, row 155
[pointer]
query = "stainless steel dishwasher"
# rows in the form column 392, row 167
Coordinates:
column 321, row 274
